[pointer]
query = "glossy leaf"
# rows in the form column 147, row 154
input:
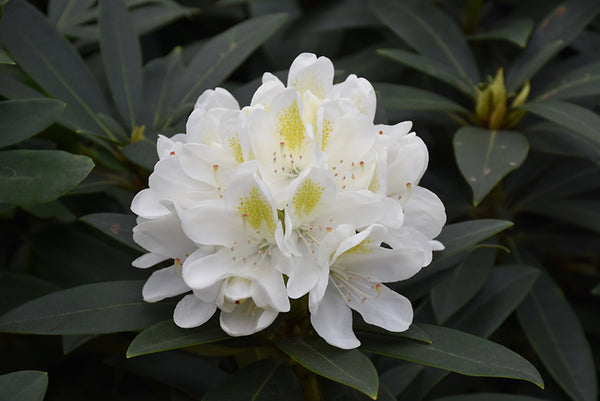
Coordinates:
column 503, row 293
column 122, row 59
column 22, row 119
column 484, row 157
column 429, row 31
column 431, row 67
column 462, row 283
column 115, row 225
column 400, row 97
column 558, row 339
column 583, row 213
column 5, row 58
column 23, row 385
column 160, row 76
column 414, row 332
column 99, row 308
column 349, row 367
column 516, row 32
column 223, row 54
column 38, row 176
column 167, row 336
column 264, row 380
column 459, row 237
column 348, row 14
column 17, row 289
column 158, row 14
column 458, row 352
column 143, row 153
column 550, row 138
column 55, row 65
column 578, row 119
column 13, row 84
column 399, row 377
column 581, row 82
column 489, row 397
column 551, row 35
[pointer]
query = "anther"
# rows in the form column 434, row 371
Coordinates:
column 172, row 153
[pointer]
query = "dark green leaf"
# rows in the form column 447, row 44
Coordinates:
column 122, row 59
column 551, row 35
column 484, row 157
column 399, row 377
column 400, row 97
column 159, row 79
column 264, row 380
column 576, row 118
column 584, row 81
column 457, row 352
column 584, row 213
column 414, row 332
column 38, row 176
column 505, row 290
column 432, row 67
column 557, row 337
column 516, row 32
column 349, row 367
column 98, row 308
column 548, row 137
column 24, row 385
column 462, row 283
column 143, row 153
column 153, row 16
column 17, row 289
column 116, row 225
column 462, row 236
column 13, row 84
column 71, row 343
column 488, row 397
column 167, row 336
column 223, row 54
column 22, row 119
column 51, row 210
column 55, row 65
column 5, row 58
column 429, row 31
column 348, row 14
column 66, row 14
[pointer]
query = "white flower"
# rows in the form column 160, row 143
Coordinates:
column 298, row 193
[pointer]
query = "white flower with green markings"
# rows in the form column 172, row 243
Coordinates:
column 299, row 194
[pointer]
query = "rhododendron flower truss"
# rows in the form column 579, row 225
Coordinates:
column 298, row 195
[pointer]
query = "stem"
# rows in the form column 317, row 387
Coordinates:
column 472, row 16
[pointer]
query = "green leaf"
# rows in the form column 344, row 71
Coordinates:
column 167, row 336
column 348, row 14
column 399, row 377
column 459, row 237
column 66, row 14
column 264, row 380
column 153, row 16
column 462, row 283
column 22, row 119
column 414, row 332
column 116, row 225
column 160, row 76
column 98, row 308
column 458, row 352
column 548, row 137
column 122, row 59
column 55, row 65
column 488, row 397
column 400, row 97
column 430, row 31
column 484, row 157
column 516, row 32
column 143, row 153
column 553, row 330
column 71, row 343
column 223, row 54
column 349, row 367
column 24, row 385
column 583, row 213
column 551, row 35
column 5, row 58
column 578, row 119
column 581, row 82
column 431, row 67
column 38, row 176
column 504, row 291
column 20, row 288
column 13, row 84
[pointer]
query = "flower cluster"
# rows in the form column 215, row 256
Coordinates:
column 298, row 194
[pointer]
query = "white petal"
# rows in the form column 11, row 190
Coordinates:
column 163, row 283
column 200, row 271
column 246, row 319
column 361, row 92
column 148, row 260
column 192, row 312
column 212, row 223
column 407, row 161
column 309, row 194
column 425, row 212
column 163, row 236
column 308, row 72
column 332, row 320
column 385, row 265
column 146, row 203
column 389, row 310
column 306, row 276
column 217, row 98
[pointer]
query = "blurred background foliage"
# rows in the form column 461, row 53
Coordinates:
column 505, row 93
